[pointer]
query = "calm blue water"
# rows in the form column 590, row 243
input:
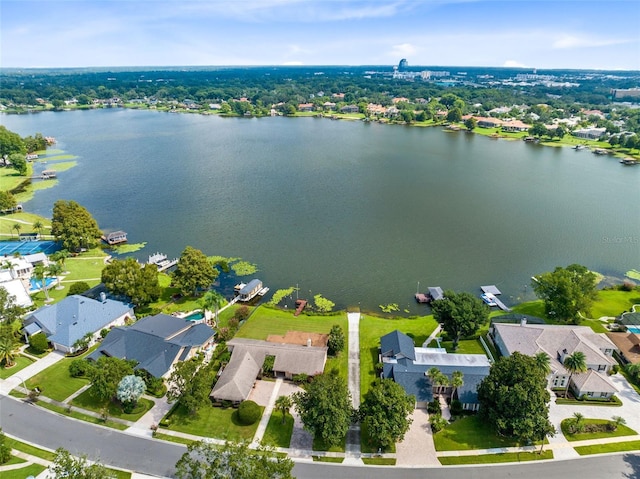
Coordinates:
column 357, row 212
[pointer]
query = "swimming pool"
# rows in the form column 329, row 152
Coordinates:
column 37, row 285
column 197, row 316
column 634, row 329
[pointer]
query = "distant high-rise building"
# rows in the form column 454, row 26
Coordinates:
column 402, row 66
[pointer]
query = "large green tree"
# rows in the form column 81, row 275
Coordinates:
column 461, row 314
column 325, row 408
column 73, row 226
column 9, row 310
column 190, row 384
column 204, row 460
column 106, row 376
column 128, row 278
column 566, row 291
column 11, row 143
column 385, row 412
column 336, row 340
column 66, row 466
column 7, row 201
column 19, row 163
column 194, row 271
column 514, row 399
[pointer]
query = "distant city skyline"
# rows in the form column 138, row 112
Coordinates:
column 562, row 34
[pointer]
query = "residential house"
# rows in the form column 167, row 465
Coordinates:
column 488, row 122
column 247, row 357
column 408, row 366
column 558, row 342
column 16, row 289
column 515, row 125
column 74, row 318
column 156, row 343
column 305, row 107
column 590, row 133
column 350, row 109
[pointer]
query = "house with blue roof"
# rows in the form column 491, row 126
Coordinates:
column 74, row 318
column 156, row 343
column 408, row 366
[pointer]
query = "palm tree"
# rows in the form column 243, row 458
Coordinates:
column 8, row 347
column 212, row 300
column 457, row 381
column 578, row 422
column 40, row 273
column 60, row 256
column 17, row 227
column 617, row 421
column 38, row 226
column 543, row 361
column 55, row 270
column 574, row 363
column 437, row 378
column 283, row 404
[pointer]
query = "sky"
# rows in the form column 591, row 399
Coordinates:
column 565, row 34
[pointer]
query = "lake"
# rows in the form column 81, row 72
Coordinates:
column 358, row 212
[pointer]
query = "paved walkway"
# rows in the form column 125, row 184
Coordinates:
column 161, row 407
column 266, row 415
column 432, row 336
column 352, row 449
column 23, row 375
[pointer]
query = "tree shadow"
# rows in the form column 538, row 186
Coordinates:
column 633, row 460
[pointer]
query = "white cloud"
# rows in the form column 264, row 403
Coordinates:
column 403, row 50
column 514, row 64
column 572, row 41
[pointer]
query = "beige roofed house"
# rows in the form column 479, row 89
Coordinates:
column 247, row 357
column 558, row 342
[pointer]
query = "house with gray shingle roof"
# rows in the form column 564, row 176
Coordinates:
column 558, row 342
column 408, row 366
column 75, row 317
column 156, row 343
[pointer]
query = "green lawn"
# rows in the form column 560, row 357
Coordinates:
column 277, row 433
column 620, row 431
column 606, row 448
column 212, row 421
column 25, row 220
column 30, row 470
column 614, row 302
column 21, row 362
column 81, row 416
column 87, row 401
column 373, row 328
column 496, row 458
column 335, row 460
column 55, row 382
column 379, row 461
column 170, row 438
column 29, row 449
column 469, row 433
column 266, row 320
column 536, row 308
column 320, row 445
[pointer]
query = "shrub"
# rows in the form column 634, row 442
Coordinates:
column 39, row 343
column 433, row 407
column 79, row 368
column 438, row 423
column 242, row 313
column 628, row 286
column 233, row 324
column 456, row 407
column 267, row 366
column 78, row 288
column 5, row 449
column 103, row 333
column 248, row 413
column 614, row 369
column 300, row 378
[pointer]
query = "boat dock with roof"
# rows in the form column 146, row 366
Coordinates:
column 161, row 261
column 490, row 296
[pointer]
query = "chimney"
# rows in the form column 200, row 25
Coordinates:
column 103, row 297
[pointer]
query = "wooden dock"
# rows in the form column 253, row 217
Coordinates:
column 161, row 261
column 493, row 293
column 300, row 305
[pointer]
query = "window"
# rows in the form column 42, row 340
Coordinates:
column 602, row 367
column 603, row 395
column 590, row 394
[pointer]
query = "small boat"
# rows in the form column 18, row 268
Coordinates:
column 579, row 147
column 489, row 298
column 630, row 161
column 601, row 151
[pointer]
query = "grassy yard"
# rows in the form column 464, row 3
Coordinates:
column 55, row 382
column 536, row 308
column 379, row 461
column 613, row 302
column 29, row 449
column 265, row 321
column 373, row 328
column 221, row 423
column 469, row 433
column 320, row 445
column 277, row 433
column 27, row 471
column 620, row 431
column 21, row 363
column 496, row 458
column 606, row 448
column 87, row 401
column 81, row 416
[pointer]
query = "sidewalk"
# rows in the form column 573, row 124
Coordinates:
column 23, row 375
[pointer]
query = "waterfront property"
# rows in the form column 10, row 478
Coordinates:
column 76, row 317
column 156, row 343
column 247, row 357
column 558, row 342
column 408, row 366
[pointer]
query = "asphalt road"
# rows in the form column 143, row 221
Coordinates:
column 41, row 427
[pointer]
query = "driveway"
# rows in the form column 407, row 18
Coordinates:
column 417, row 448
column 629, row 411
